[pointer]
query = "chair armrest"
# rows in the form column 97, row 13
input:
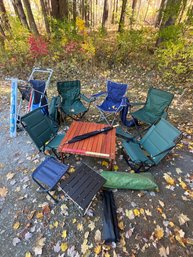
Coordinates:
column 124, row 101
column 136, row 104
column 99, row 94
column 87, row 99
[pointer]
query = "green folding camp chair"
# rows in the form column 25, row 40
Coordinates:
column 153, row 147
column 41, row 130
column 155, row 107
column 71, row 97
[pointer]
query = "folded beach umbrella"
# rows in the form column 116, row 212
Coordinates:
column 110, row 224
column 89, row 134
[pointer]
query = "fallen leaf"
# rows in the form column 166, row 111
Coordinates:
column 91, row 225
column 40, row 242
column 64, row 234
column 161, row 203
column 84, row 246
column 129, row 233
column 97, row 236
column 10, row 175
column 16, row 225
column 129, row 214
column 97, row 249
column 148, row 213
column 39, row 215
column 46, row 209
column 3, row 191
column 16, row 240
column 183, row 219
column 136, row 212
column 169, row 179
column 57, row 247
column 86, row 234
column 182, row 183
column 158, row 232
column 164, row 252
column 105, row 163
column 56, row 224
column 115, row 167
column 28, row 254
column 79, row 227
column 178, row 170
column 72, row 169
column 121, row 225
column 64, row 247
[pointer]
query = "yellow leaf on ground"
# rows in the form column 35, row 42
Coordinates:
column 121, row 225
column 28, row 254
column 3, row 191
column 115, row 167
column 64, row 247
column 72, row 169
column 16, row 225
column 39, row 215
column 84, row 246
column 136, row 212
column 169, row 179
column 159, row 232
column 148, row 213
column 107, row 254
column 105, row 163
column 91, row 225
column 74, row 221
column 64, row 234
column 182, row 183
column 129, row 214
column 80, row 227
column 56, row 224
column 97, row 249
column 164, row 252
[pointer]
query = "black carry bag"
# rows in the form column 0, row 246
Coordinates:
column 110, row 224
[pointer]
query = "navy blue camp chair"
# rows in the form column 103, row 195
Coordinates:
column 48, row 174
column 114, row 101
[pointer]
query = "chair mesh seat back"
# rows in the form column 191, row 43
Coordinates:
column 159, row 138
column 38, row 127
column 115, row 93
column 70, row 91
column 49, row 172
column 157, row 101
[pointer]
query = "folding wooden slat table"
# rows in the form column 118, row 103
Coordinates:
column 101, row 145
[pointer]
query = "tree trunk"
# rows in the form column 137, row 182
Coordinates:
column 147, row 9
column 122, row 18
column 55, row 9
column 105, row 13
column 160, row 14
column 63, row 9
column 113, row 13
column 74, row 11
column 171, row 14
column 184, row 4
column 44, row 13
column 139, row 7
column 189, row 20
column 86, row 12
column 134, row 4
column 32, row 23
column 4, row 18
column 83, row 10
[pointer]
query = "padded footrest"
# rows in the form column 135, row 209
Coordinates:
column 82, row 185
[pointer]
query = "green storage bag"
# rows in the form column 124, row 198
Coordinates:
column 134, row 181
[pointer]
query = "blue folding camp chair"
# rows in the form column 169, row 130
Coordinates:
column 114, row 101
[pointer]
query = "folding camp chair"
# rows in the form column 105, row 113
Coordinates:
column 155, row 107
column 41, row 130
column 153, row 147
column 114, row 101
column 80, row 186
column 71, row 104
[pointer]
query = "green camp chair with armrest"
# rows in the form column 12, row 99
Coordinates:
column 41, row 130
column 71, row 104
column 153, row 147
column 155, row 107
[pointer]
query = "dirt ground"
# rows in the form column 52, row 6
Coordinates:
column 151, row 223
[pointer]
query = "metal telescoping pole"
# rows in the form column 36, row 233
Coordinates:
column 13, row 108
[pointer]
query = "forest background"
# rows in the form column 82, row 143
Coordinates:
column 102, row 34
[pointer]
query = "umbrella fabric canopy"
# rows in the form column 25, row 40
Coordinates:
column 89, row 134
column 110, row 224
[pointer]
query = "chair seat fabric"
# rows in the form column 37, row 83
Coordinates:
column 135, row 152
column 75, row 108
column 49, row 172
column 147, row 117
column 54, row 143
